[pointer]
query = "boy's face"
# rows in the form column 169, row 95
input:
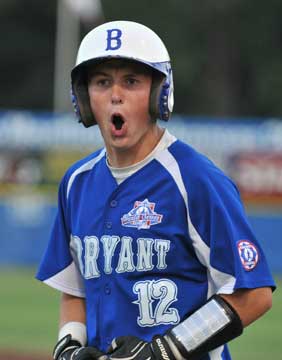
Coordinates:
column 119, row 92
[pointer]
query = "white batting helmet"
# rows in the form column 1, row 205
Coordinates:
column 123, row 40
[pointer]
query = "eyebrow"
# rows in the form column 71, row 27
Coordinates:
column 95, row 73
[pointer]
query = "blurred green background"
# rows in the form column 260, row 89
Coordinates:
column 29, row 313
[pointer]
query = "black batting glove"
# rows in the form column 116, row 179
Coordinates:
column 134, row 348
column 69, row 349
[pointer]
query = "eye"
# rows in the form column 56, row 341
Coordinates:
column 132, row 81
column 102, row 82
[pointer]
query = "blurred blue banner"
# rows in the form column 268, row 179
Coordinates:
column 36, row 149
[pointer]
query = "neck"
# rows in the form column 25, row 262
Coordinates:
column 126, row 157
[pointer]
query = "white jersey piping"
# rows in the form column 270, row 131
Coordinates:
column 85, row 167
column 218, row 282
column 68, row 280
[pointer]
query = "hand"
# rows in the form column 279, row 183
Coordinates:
column 69, row 349
column 82, row 353
column 134, row 348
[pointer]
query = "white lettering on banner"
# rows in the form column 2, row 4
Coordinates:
column 266, row 178
column 145, row 260
column 258, row 173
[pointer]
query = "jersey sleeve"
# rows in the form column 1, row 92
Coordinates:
column 224, row 240
column 59, row 268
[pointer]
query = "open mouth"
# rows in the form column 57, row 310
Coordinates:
column 118, row 121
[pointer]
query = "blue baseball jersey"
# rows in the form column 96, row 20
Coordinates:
column 150, row 251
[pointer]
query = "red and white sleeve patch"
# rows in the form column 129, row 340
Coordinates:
column 248, row 254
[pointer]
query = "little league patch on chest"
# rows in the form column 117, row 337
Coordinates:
column 142, row 216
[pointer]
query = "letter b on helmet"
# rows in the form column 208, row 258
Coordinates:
column 113, row 39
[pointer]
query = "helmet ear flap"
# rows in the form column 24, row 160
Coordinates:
column 161, row 92
column 81, row 100
column 157, row 80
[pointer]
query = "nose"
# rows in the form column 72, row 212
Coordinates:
column 117, row 95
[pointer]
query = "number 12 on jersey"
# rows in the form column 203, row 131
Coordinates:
column 154, row 300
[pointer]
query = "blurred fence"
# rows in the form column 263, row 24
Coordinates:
column 36, row 149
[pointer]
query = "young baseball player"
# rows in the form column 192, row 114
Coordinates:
column 151, row 247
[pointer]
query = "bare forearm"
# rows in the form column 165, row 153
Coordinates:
column 250, row 304
column 72, row 339
column 72, row 308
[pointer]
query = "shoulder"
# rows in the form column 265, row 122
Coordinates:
column 80, row 167
column 191, row 161
column 197, row 170
column 87, row 163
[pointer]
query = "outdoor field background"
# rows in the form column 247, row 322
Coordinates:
column 227, row 67
column 29, row 312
